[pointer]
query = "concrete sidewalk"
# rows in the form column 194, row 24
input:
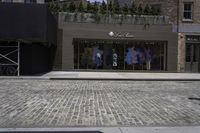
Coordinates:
column 71, row 75
column 110, row 130
column 121, row 76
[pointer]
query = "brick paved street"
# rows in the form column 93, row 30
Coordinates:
column 46, row 103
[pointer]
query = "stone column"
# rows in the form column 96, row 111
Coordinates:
column 181, row 52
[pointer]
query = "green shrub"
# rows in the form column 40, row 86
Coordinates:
column 147, row 10
column 117, row 9
column 103, row 8
column 110, row 7
column 89, row 7
column 140, row 10
column 72, row 7
column 80, row 7
column 125, row 9
column 133, row 9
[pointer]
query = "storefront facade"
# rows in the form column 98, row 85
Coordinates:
column 185, row 17
column 117, row 47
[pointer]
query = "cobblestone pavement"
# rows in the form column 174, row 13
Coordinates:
column 45, row 103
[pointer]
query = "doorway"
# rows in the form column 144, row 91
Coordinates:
column 192, row 57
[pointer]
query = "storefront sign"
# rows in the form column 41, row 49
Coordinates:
column 120, row 35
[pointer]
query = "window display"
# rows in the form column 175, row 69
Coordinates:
column 120, row 55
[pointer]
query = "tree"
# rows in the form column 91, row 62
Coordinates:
column 65, row 7
column 80, row 7
column 89, row 7
column 54, row 7
column 116, row 6
column 59, row 8
column 158, row 11
column 103, row 7
column 95, row 7
column 51, row 6
column 140, row 10
column 133, row 8
column 125, row 9
column 155, row 10
column 72, row 7
column 110, row 7
column 147, row 10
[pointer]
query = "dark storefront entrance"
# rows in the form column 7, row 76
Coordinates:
column 116, row 54
column 192, row 53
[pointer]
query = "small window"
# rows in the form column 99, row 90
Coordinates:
column 187, row 13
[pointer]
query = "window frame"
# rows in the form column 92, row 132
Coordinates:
column 188, row 11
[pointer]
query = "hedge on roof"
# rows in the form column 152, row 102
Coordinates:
column 104, row 8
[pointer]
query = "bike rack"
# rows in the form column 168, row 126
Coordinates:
column 14, row 51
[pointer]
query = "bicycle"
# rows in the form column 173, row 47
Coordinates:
column 8, row 71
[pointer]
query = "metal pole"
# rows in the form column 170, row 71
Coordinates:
column 18, row 72
column 124, row 56
column 78, row 54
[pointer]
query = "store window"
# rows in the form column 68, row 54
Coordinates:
column 187, row 12
column 119, row 55
column 144, row 56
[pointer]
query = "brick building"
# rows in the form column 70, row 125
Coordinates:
column 167, row 7
column 185, row 17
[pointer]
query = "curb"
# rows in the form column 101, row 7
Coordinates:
column 24, row 78
column 103, row 79
column 126, row 79
column 105, row 130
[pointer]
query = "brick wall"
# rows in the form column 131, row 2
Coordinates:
column 195, row 13
column 168, row 7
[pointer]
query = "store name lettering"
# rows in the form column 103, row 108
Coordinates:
column 121, row 35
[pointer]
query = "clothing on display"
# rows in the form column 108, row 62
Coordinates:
column 139, row 56
column 134, row 56
column 97, row 56
column 129, row 57
column 114, row 59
